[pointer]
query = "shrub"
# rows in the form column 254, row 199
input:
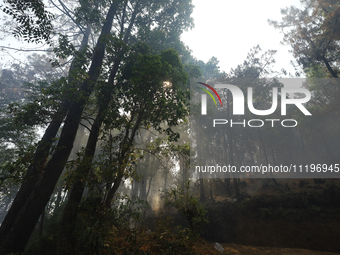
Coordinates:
column 188, row 206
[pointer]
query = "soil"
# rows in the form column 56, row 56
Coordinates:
column 296, row 217
column 207, row 248
column 264, row 230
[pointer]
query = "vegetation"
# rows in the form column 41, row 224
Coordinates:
column 95, row 152
column 188, row 206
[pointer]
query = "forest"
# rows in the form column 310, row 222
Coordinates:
column 107, row 146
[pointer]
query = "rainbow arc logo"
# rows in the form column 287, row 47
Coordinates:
column 204, row 97
column 213, row 90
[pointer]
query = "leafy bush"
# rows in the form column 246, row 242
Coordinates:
column 188, row 206
column 100, row 225
column 170, row 240
column 127, row 211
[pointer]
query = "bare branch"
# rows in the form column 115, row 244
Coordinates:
column 10, row 48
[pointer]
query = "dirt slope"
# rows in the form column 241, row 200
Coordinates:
column 206, row 248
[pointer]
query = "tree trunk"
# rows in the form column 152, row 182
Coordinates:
column 144, row 178
column 58, row 200
column 41, row 226
column 211, row 190
column 71, row 210
column 227, row 186
column 329, row 68
column 149, row 188
column 113, row 190
column 231, row 152
column 266, row 157
column 202, row 190
column 165, row 179
column 142, row 186
column 185, row 171
column 135, row 187
column 127, row 144
column 41, row 154
column 14, row 236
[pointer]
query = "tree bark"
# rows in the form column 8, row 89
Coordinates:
column 149, row 188
column 14, row 236
column 230, row 137
column 127, row 143
column 34, row 171
column 329, row 68
column 69, row 217
column 266, row 157
column 144, row 178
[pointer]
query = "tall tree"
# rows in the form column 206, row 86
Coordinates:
column 24, row 213
column 313, row 33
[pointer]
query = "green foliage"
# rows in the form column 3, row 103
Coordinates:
column 13, row 167
column 98, row 225
column 127, row 211
column 255, row 65
column 141, row 99
column 42, row 101
column 158, row 84
column 193, row 71
column 313, row 34
column 164, row 147
column 134, row 245
column 210, row 69
column 94, row 226
column 88, row 12
column 316, row 71
column 65, row 49
column 293, row 206
column 172, row 241
column 188, row 206
column 34, row 22
column 164, row 240
column 16, row 141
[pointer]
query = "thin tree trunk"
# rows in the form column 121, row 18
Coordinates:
column 200, row 157
column 149, row 188
column 58, row 200
column 126, row 143
column 329, row 68
column 144, row 179
column 227, row 186
column 135, row 186
column 266, row 158
column 41, row 226
column 211, row 190
column 231, row 153
column 185, row 171
column 142, row 186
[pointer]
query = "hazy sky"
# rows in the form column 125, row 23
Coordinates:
column 229, row 29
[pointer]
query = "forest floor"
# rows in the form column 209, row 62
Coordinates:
column 150, row 245
column 207, row 248
column 202, row 247
column 303, row 215
column 300, row 214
